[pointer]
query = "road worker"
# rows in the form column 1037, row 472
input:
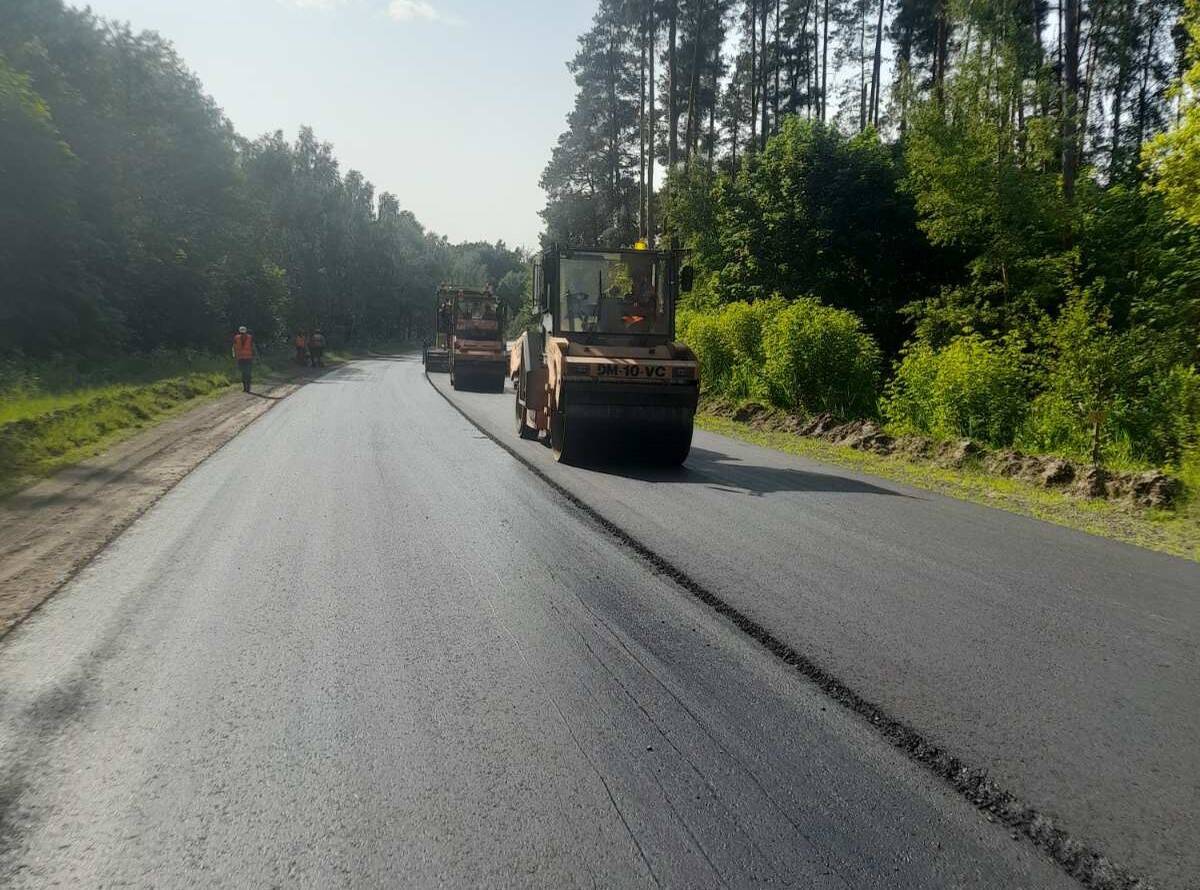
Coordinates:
column 301, row 344
column 243, row 351
column 316, row 349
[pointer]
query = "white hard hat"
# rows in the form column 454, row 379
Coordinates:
column 242, row 329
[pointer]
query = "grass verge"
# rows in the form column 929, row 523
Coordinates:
column 53, row 418
column 1170, row 531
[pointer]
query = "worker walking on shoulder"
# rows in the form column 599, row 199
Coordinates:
column 316, row 349
column 301, row 343
column 243, row 351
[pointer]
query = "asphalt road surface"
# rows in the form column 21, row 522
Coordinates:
column 1065, row 665
column 363, row 646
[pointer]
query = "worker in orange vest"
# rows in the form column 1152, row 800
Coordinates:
column 243, row 351
column 301, row 343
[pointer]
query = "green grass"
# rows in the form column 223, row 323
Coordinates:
column 57, row 413
column 1176, row 531
column 54, row 414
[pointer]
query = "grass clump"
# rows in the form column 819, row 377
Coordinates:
column 56, row 413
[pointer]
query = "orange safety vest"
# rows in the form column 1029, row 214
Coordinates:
column 243, row 346
column 301, row 342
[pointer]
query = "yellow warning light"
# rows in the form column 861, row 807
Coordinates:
column 640, row 245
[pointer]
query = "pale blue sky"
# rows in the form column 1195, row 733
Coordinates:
column 453, row 105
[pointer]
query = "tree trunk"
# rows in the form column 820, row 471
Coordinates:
column 1144, row 90
column 877, row 67
column 778, row 60
column 904, row 73
column 804, row 60
column 941, row 51
column 754, row 73
column 1095, row 32
column 1070, row 100
column 715, row 76
column 825, row 62
column 672, row 91
column 1114, row 158
column 735, row 100
column 642, row 135
column 862, row 64
column 614, row 147
column 651, row 31
column 766, row 11
column 693, row 128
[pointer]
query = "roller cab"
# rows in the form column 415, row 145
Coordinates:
column 603, row 379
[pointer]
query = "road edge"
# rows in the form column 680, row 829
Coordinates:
column 1079, row 860
column 277, row 394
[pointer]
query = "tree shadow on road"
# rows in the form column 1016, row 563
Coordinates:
column 721, row 472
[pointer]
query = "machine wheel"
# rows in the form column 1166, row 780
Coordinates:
column 675, row 447
column 559, row 442
column 524, row 430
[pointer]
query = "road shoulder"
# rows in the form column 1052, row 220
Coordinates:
column 52, row 529
column 1175, row 532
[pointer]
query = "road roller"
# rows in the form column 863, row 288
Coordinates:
column 478, row 360
column 602, row 379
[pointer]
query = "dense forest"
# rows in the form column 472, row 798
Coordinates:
column 972, row 218
column 134, row 217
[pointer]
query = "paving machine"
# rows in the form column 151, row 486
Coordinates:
column 603, row 378
column 436, row 354
column 476, row 338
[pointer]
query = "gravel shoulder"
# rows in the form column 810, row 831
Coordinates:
column 53, row 528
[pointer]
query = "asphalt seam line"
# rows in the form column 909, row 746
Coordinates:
column 1081, row 861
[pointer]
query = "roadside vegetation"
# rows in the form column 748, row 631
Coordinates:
column 55, row 413
column 1175, row 530
column 1003, row 247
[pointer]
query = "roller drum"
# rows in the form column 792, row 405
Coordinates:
column 594, row 432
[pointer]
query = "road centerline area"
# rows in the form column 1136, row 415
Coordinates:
column 1072, row 799
column 360, row 646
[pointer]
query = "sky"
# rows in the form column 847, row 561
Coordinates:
column 452, row 105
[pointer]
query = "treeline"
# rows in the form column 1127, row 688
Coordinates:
column 1002, row 197
column 133, row 217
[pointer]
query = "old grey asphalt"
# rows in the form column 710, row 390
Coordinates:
column 363, row 646
column 1065, row 665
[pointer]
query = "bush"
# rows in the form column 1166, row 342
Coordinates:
column 741, row 326
column 818, row 358
column 800, row 355
column 702, row 333
column 1115, row 396
column 1171, row 423
column 972, row 387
